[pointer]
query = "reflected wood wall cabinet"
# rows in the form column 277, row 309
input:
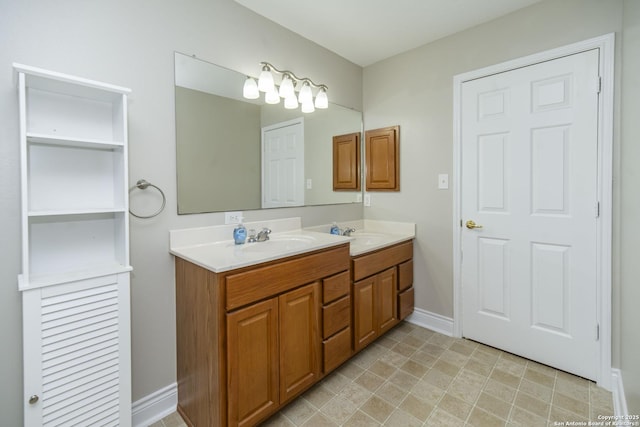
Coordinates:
column 382, row 157
column 346, row 162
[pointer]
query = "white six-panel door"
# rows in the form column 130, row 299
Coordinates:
column 529, row 178
column 283, row 164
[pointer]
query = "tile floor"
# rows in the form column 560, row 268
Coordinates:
column 416, row 377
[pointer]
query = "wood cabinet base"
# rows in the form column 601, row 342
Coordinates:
column 252, row 339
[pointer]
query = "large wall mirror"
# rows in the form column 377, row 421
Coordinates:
column 221, row 162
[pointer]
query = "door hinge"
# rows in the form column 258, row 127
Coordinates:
column 597, row 332
column 599, row 84
column 597, row 209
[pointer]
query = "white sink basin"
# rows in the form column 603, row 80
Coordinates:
column 368, row 239
column 280, row 244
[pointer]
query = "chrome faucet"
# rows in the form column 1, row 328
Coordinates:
column 347, row 231
column 263, row 235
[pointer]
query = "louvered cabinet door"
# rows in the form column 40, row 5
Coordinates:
column 77, row 353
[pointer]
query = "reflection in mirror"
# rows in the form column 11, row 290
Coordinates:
column 220, row 138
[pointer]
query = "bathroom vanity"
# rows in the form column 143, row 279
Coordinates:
column 259, row 327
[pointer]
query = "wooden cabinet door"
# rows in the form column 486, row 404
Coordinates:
column 364, row 312
column 387, row 300
column 346, row 162
column 252, row 363
column 300, row 341
column 382, row 154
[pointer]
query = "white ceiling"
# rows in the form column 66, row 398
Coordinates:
column 367, row 31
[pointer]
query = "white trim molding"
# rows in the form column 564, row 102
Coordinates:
column 617, row 391
column 154, row 407
column 606, row 45
column 432, row 321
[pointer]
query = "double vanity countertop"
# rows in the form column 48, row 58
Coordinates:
column 214, row 249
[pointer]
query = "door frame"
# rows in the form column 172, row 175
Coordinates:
column 606, row 46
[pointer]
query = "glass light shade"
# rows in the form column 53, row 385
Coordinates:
column 321, row 99
column 265, row 82
column 291, row 102
column 286, row 87
column 307, row 107
column 250, row 89
column 272, row 97
column 305, row 96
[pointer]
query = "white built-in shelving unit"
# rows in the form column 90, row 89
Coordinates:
column 75, row 250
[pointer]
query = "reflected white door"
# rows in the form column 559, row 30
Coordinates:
column 529, row 176
column 283, row 164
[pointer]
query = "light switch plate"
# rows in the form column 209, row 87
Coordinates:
column 443, row 181
column 309, row 184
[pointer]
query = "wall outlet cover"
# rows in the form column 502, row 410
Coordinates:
column 232, row 217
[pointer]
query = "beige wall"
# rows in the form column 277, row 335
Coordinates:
column 132, row 44
column 628, row 236
column 415, row 90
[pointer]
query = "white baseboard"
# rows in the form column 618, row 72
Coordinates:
column 155, row 406
column 433, row 321
column 617, row 391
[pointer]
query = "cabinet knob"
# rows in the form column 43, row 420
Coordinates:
column 33, row 399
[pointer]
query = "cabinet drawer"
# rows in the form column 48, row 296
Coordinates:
column 366, row 265
column 405, row 275
column 405, row 303
column 263, row 282
column 335, row 287
column 336, row 316
column 336, row 349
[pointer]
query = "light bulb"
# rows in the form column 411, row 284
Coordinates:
column 321, row 99
column 305, row 96
column 265, row 82
column 291, row 102
column 286, row 87
column 307, row 107
column 250, row 89
column 272, row 97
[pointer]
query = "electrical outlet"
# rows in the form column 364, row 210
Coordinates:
column 359, row 198
column 232, row 217
column 367, row 199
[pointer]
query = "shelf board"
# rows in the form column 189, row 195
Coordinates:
column 42, row 280
column 36, row 138
column 75, row 212
column 65, row 83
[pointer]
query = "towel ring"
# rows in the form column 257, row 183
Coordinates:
column 143, row 185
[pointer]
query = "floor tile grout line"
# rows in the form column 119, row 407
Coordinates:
column 486, row 380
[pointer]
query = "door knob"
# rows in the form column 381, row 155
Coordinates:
column 471, row 225
column 33, row 399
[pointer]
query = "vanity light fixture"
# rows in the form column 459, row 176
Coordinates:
column 250, row 89
column 286, row 90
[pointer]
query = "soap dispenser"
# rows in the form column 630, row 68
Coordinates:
column 335, row 229
column 240, row 233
